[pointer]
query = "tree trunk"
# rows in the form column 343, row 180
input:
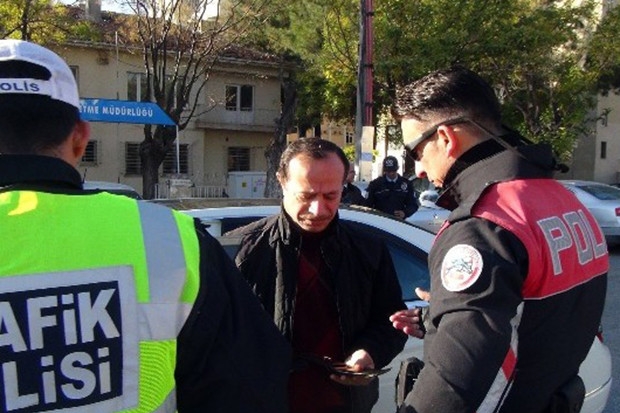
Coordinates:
column 278, row 143
column 152, row 153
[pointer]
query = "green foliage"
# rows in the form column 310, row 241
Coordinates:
column 39, row 21
column 349, row 151
column 321, row 36
column 546, row 59
column 604, row 52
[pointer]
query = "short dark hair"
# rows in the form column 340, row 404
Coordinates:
column 31, row 124
column 315, row 148
column 451, row 92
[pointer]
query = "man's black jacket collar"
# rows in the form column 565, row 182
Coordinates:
column 36, row 172
column 292, row 234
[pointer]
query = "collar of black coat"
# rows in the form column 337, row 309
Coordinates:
column 35, row 171
column 291, row 233
column 488, row 163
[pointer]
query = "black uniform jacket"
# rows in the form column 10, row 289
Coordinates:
column 230, row 358
column 492, row 345
column 389, row 196
column 367, row 289
column 351, row 194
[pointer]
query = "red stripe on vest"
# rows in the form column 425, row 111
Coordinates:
column 565, row 245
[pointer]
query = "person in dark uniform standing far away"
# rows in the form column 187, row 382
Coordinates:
column 518, row 271
column 391, row 193
column 329, row 287
column 351, row 194
column 110, row 304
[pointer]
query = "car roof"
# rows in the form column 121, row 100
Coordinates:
column 580, row 182
column 105, row 185
column 591, row 192
column 415, row 234
column 112, row 187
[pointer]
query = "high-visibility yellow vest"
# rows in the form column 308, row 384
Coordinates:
column 94, row 290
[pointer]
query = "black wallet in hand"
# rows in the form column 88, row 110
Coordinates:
column 340, row 368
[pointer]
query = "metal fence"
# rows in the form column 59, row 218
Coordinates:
column 165, row 191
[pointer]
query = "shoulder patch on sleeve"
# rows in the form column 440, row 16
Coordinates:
column 461, row 267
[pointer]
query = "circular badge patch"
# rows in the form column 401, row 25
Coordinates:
column 461, row 267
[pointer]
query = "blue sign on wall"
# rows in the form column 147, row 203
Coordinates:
column 123, row 111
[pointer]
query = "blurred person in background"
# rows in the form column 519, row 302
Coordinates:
column 351, row 194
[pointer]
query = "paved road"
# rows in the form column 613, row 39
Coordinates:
column 611, row 328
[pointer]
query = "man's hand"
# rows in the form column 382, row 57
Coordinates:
column 399, row 214
column 359, row 361
column 423, row 294
column 410, row 321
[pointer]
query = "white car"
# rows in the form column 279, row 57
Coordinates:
column 603, row 201
column 113, row 188
column 409, row 245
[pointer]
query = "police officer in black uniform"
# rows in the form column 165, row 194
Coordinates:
column 519, row 270
column 351, row 194
column 391, row 193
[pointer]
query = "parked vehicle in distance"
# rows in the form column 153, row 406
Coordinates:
column 429, row 215
column 603, row 201
column 113, row 188
column 409, row 245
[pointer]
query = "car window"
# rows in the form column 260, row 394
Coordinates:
column 220, row 226
column 230, row 245
column 129, row 193
column 602, row 192
column 412, row 272
column 228, row 224
column 410, row 262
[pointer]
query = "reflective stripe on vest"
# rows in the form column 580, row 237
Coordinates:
column 89, row 324
column 166, row 270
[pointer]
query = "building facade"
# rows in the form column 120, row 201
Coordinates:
column 232, row 127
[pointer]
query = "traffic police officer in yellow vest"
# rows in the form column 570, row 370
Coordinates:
column 109, row 304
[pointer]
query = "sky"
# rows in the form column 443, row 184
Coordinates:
column 107, row 5
column 119, row 6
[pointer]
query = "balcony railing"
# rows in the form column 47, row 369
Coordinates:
column 220, row 118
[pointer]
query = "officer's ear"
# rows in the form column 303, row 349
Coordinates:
column 79, row 139
column 454, row 140
column 448, row 141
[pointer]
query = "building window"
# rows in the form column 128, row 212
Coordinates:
column 240, row 98
column 170, row 161
column 91, row 155
column 349, row 137
column 133, row 164
column 137, row 87
column 76, row 73
column 603, row 150
column 238, row 159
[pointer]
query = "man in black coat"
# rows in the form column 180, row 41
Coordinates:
column 329, row 287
